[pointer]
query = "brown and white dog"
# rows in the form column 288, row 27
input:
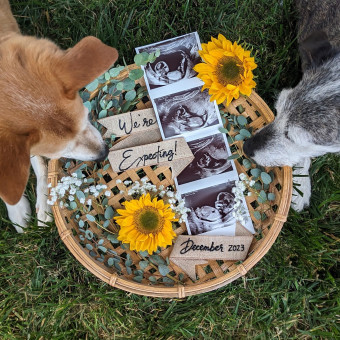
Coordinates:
column 41, row 112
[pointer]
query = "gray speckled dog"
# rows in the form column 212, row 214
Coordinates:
column 308, row 116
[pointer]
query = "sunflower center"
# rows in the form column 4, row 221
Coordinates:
column 229, row 70
column 148, row 220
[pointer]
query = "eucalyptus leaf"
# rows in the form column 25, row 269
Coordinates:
column 143, row 264
column 136, row 74
column 120, row 86
column 73, row 205
column 138, row 278
column 109, row 212
column 235, row 156
column 255, row 172
column 223, row 130
column 157, row 259
column 246, row 163
column 239, row 137
column 88, row 106
column 144, row 253
column 262, row 198
column 106, row 224
column 266, row 179
column 163, row 269
column 152, row 279
column 103, row 249
column 141, row 58
column 92, row 86
column 80, row 195
column 105, row 167
column 90, row 218
column 89, row 234
column 130, row 95
column 245, row 133
column 242, row 120
column 100, row 242
column 114, row 72
column 157, row 53
column 271, row 196
column 89, row 246
column 257, row 215
column 81, row 223
column 128, row 84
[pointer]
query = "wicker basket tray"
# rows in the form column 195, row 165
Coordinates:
column 211, row 276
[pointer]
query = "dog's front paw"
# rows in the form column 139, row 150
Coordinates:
column 300, row 202
column 19, row 214
column 44, row 212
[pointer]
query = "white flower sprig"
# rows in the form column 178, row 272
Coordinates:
column 137, row 189
column 240, row 212
column 74, row 189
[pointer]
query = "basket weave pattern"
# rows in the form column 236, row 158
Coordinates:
column 210, row 276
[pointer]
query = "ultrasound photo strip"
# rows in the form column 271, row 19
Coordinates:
column 210, row 166
column 177, row 58
column 186, row 113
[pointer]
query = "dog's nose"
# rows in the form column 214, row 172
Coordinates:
column 247, row 148
column 103, row 154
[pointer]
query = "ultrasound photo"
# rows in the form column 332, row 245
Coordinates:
column 185, row 111
column 178, row 57
column 211, row 155
column 210, row 209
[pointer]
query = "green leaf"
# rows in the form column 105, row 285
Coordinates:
column 163, row 269
column 255, row 172
column 114, row 72
column 138, row 278
column 271, row 196
column 92, row 86
column 245, row 133
column 223, row 130
column 258, row 186
column 143, row 264
column 157, row 259
column 235, row 156
column 152, row 279
column 109, row 105
column 141, row 58
column 136, row 74
column 89, row 246
column 89, row 234
column 73, row 205
column 157, row 53
column 103, row 249
column 128, row 84
column 112, row 239
column 106, row 223
column 144, row 253
column 239, row 137
column 120, row 86
column 109, row 212
column 107, row 76
column 102, row 114
column 257, row 215
column 90, row 218
column 105, row 167
column 81, row 223
column 262, row 197
column 88, row 106
column 130, row 95
column 242, row 120
column 80, row 194
column 246, row 163
column 266, row 179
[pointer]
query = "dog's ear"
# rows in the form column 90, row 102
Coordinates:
column 15, row 165
column 316, row 49
column 83, row 63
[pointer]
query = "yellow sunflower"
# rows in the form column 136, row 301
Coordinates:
column 227, row 70
column 146, row 224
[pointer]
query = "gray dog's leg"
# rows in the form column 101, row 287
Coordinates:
column 303, row 184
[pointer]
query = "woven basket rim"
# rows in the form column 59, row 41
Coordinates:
column 181, row 291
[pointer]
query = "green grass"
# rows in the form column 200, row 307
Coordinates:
column 293, row 293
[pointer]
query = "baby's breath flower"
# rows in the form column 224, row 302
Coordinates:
column 118, row 181
column 107, row 193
